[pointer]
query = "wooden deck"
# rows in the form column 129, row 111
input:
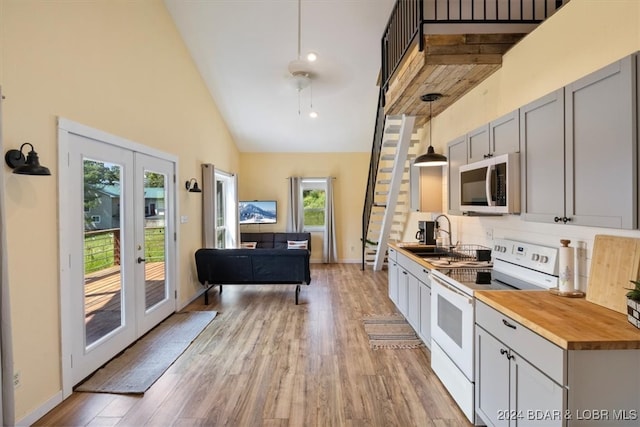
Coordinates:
column 103, row 297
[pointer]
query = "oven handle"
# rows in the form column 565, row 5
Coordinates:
column 452, row 289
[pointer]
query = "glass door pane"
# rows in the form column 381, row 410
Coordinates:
column 102, row 272
column 155, row 238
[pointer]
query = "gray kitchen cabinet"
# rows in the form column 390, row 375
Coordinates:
column 579, row 151
column 504, row 134
column 478, row 144
column 413, row 304
column 524, row 379
column 424, row 330
column 392, row 275
column 510, row 389
column 456, row 156
column 542, row 158
column 414, row 295
column 403, row 291
column 600, row 147
column 500, row 136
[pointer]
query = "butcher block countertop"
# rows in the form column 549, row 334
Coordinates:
column 570, row 323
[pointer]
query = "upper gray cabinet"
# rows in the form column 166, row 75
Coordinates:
column 500, row 136
column 457, row 156
column 542, row 158
column 478, row 143
column 579, row 151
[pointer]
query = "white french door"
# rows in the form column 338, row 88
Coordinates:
column 155, row 294
column 118, row 227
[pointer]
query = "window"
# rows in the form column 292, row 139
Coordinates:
column 96, row 219
column 314, row 203
column 226, row 217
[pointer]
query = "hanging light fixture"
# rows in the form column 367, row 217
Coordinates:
column 301, row 75
column 430, row 158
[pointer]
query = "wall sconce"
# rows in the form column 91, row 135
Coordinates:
column 29, row 166
column 192, row 188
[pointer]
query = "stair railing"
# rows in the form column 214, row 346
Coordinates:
column 374, row 161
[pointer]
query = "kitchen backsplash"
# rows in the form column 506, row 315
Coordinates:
column 483, row 230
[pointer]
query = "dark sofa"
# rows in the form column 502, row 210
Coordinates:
column 270, row 263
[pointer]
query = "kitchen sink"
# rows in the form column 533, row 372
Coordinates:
column 426, row 251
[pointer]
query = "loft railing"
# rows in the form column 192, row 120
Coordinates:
column 408, row 18
column 373, row 173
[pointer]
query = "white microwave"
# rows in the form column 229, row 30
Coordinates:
column 491, row 185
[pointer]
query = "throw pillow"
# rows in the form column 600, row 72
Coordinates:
column 297, row 244
column 248, row 245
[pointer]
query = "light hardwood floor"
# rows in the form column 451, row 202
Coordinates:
column 264, row 361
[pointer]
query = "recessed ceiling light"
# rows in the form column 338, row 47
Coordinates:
column 313, row 114
column 312, row 56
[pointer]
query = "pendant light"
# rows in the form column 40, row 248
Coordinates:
column 430, row 158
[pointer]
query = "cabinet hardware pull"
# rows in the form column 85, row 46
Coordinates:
column 141, row 260
column 557, row 219
column 565, row 219
column 508, row 325
column 511, row 357
column 404, row 272
column 503, row 351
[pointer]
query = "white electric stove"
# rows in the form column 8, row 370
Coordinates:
column 514, row 265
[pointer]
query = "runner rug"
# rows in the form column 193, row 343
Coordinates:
column 390, row 331
column 139, row 366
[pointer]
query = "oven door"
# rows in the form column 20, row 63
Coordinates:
column 452, row 323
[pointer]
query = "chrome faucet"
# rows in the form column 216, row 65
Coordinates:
column 437, row 228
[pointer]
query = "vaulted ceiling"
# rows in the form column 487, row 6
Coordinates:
column 243, row 48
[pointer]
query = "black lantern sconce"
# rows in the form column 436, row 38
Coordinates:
column 192, row 188
column 25, row 166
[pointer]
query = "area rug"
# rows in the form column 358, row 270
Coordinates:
column 139, row 366
column 390, row 331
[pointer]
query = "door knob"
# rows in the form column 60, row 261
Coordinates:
column 141, row 260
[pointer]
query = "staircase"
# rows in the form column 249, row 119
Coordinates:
column 391, row 191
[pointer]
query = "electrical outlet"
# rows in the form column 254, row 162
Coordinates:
column 16, row 379
column 488, row 232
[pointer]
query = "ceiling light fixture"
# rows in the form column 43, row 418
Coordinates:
column 312, row 56
column 430, row 158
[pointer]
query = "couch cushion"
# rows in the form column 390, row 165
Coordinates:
column 297, row 244
column 280, row 239
column 248, row 245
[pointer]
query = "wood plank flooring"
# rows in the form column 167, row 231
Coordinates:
column 265, row 361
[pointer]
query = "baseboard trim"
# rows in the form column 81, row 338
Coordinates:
column 41, row 411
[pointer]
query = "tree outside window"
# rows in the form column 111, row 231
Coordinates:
column 314, row 202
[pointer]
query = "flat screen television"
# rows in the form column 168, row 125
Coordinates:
column 258, row 212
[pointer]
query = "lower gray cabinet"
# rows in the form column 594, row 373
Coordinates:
column 393, row 281
column 511, row 391
column 424, row 330
column 413, row 294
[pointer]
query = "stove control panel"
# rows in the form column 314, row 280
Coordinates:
column 530, row 255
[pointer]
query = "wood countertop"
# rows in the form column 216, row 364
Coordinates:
column 571, row 323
